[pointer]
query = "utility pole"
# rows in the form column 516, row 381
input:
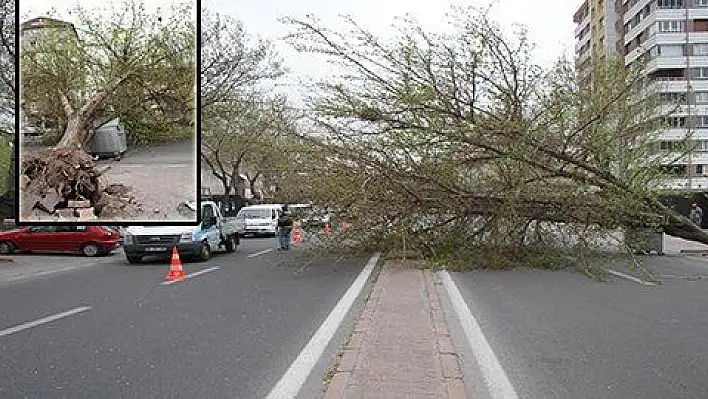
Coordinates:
column 690, row 122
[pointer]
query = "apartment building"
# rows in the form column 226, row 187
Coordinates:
column 672, row 37
column 595, row 34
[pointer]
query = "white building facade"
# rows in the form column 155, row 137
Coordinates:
column 672, row 37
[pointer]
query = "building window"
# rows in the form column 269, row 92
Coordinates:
column 701, row 97
column 701, row 121
column 699, row 73
column 671, row 50
column 699, row 169
column 671, row 26
column 700, row 49
column 700, row 3
column 670, row 3
column 654, row 52
column 673, row 97
column 676, row 122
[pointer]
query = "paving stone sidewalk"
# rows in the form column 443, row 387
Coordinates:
column 401, row 346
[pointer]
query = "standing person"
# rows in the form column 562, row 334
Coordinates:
column 285, row 227
column 696, row 214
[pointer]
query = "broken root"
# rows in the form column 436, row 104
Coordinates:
column 65, row 183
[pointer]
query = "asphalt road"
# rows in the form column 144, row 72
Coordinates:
column 561, row 335
column 230, row 332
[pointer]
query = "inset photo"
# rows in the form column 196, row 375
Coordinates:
column 108, row 112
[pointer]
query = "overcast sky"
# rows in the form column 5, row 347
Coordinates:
column 35, row 8
column 550, row 21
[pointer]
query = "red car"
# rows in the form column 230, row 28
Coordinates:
column 87, row 240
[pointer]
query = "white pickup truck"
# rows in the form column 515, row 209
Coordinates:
column 215, row 231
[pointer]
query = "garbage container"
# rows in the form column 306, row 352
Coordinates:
column 109, row 140
column 644, row 240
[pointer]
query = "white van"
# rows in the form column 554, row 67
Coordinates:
column 260, row 219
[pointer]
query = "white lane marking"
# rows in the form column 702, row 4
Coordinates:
column 628, row 277
column 44, row 273
column 188, row 276
column 43, row 320
column 291, row 382
column 497, row 381
column 265, row 251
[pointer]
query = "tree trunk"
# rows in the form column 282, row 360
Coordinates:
column 226, row 185
column 237, row 183
column 680, row 226
column 77, row 131
column 252, row 185
column 81, row 122
column 11, row 173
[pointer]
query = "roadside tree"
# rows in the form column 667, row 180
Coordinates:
column 235, row 107
column 243, row 132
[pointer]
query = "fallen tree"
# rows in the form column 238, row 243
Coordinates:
column 116, row 64
column 449, row 127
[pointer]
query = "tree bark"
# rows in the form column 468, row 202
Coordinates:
column 80, row 124
column 77, row 132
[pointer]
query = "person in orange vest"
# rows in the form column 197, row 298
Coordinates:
column 285, row 228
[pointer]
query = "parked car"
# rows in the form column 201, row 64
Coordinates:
column 86, row 240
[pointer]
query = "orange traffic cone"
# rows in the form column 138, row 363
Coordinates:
column 296, row 235
column 176, row 271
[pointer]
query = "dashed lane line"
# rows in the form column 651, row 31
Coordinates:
column 191, row 275
column 43, row 320
column 630, row 278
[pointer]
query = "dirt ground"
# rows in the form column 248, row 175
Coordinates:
column 159, row 178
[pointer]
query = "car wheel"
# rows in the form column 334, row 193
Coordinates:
column 205, row 253
column 91, row 249
column 6, row 247
column 134, row 259
column 230, row 244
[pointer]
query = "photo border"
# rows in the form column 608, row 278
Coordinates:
column 99, row 222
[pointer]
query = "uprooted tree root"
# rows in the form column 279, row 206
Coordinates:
column 65, row 183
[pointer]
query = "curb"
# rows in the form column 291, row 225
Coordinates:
column 703, row 252
column 449, row 358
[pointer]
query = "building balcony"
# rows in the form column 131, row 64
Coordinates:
column 582, row 25
column 680, row 13
column 639, row 28
column 680, row 134
column 634, row 10
column 680, row 62
column 679, row 183
column 582, row 42
column 580, row 59
column 678, row 85
column 698, row 13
